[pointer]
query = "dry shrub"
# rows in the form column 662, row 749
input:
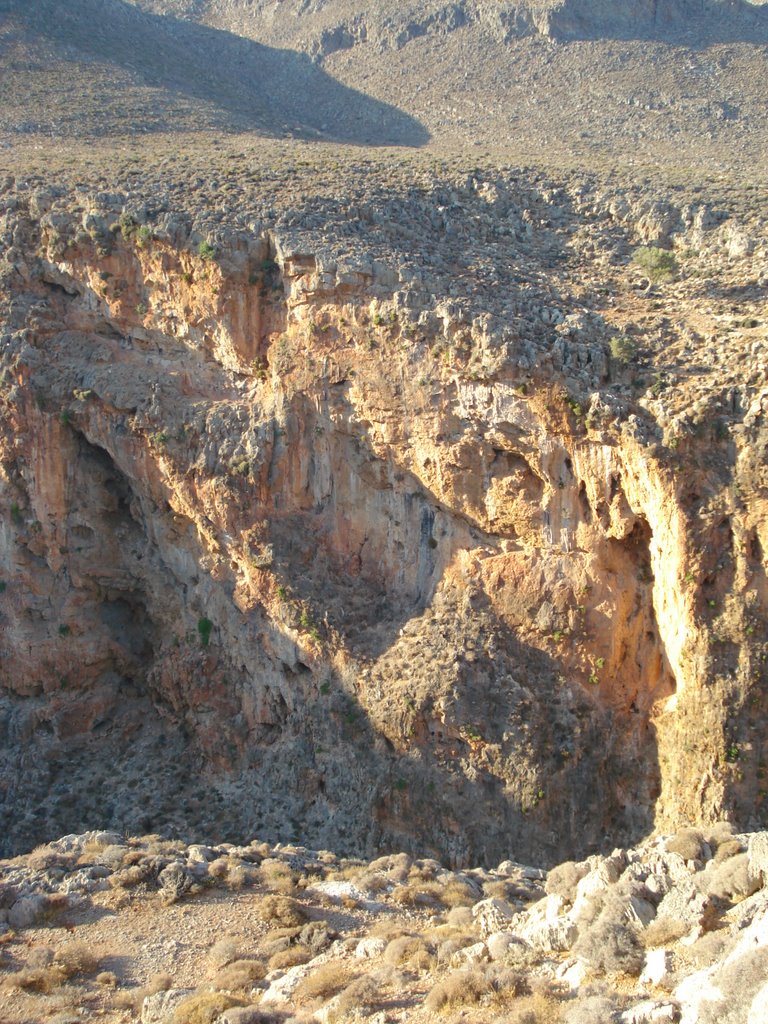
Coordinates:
column 609, row 944
column 538, row 1008
column 404, row 949
column 281, row 910
column 720, row 833
column 500, row 889
column 460, row 917
column 39, row 979
column 323, row 983
column 41, row 956
column 687, row 843
column 56, row 903
column 457, row 989
column 423, row 871
column 373, row 881
column 204, row 1007
column 132, row 998
column 113, row 856
column 457, row 894
column 662, row 931
column 219, row 868
column 129, row 877
column 385, row 928
column 395, row 866
column 361, row 993
column 43, row 858
column 290, row 957
column 77, row 960
column 108, row 979
column 507, row 982
column 277, row 876
column 563, row 880
column 132, row 858
column 240, row 974
column 241, row 876
column 223, row 952
column 594, row 1009
column 407, row 895
column 731, row 879
column 738, row 981
column 706, row 950
column 727, row 849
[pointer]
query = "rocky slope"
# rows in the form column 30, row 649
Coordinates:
column 100, row 926
column 677, row 84
column 422, row 520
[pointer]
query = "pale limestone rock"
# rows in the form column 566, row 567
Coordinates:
column 658, row 963
column 650, row 1012
column 686, row 904
column 470, row 955
column 640, row 912
column 26, row 912
column 500, row 943
column 758, row 1013
column 546, row 925
column 758, row 856
column 493, row 915
column 370, row 947
column 573, row 973
column 160, row 1007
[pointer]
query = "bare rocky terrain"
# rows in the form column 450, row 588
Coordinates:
column 382, row 471
column 104, row 927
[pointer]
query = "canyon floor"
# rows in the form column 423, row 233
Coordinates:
column 103, row 927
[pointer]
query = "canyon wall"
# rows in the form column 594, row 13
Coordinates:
column 297, row 542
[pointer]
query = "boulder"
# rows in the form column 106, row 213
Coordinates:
column 26, row 912
column 686, row 904
column 370, row 947
column 493, row 915
column 160, row 1007
column 757, row 852
column 658, row 964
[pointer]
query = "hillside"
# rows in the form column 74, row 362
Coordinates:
column 604, row 84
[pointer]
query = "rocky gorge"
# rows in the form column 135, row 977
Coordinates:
column 349, row 539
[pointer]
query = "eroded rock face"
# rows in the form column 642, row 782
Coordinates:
column 296, row 543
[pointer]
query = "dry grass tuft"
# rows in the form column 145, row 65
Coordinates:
column 204, row 1007
column 323, row 983
column 290, row 957
column 458, row 989
column 281, row 910
column 662, row 931
column 278, row 877
column 239, row 975
column 408, row 949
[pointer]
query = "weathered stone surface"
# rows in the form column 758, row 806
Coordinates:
column 758, row 856
column 493, row 915
column 160, row 1007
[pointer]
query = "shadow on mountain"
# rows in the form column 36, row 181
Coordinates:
column 276, row 92
column 692, row 23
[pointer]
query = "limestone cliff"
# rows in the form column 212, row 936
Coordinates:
column 350, row 524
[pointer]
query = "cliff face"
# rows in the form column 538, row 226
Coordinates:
column 301, row 542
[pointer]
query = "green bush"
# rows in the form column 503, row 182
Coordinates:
column 623, row 348
column 206, row 251
column 204, row 628
column 658, row 264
